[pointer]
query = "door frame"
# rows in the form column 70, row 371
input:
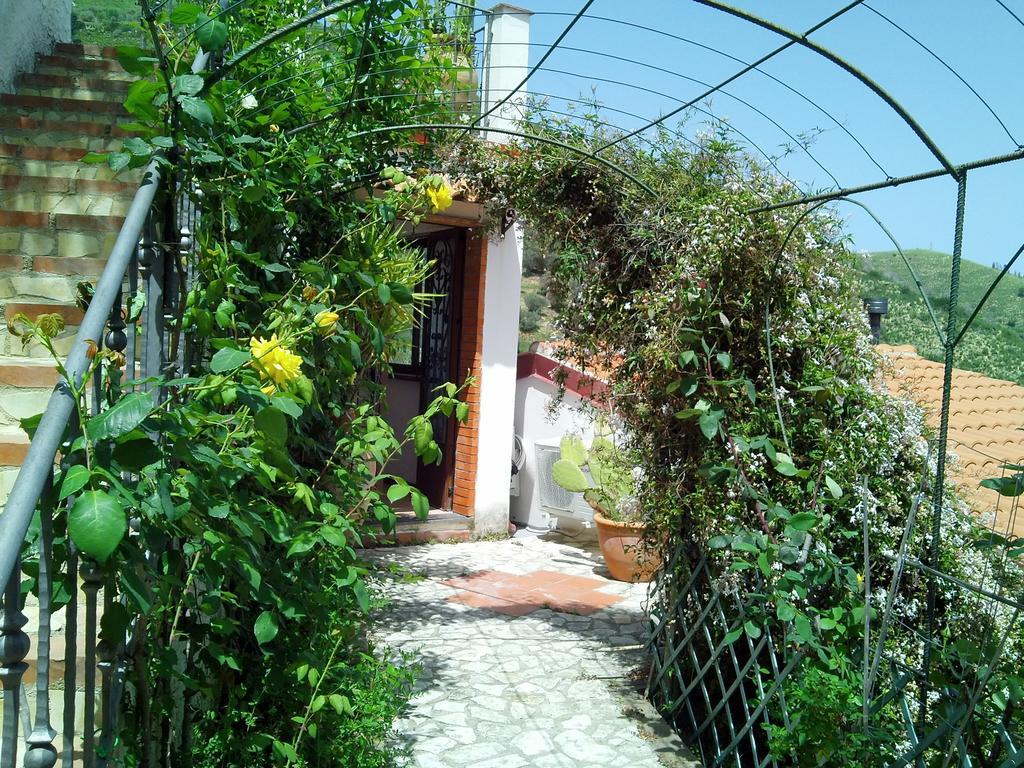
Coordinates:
column 437, row 482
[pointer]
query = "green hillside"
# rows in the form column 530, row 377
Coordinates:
column 994, row 345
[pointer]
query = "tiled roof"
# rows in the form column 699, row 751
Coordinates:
column 986, row 426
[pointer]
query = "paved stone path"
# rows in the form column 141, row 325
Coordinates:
column 530, row 657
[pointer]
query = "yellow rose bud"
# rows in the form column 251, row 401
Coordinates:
column 325, row 322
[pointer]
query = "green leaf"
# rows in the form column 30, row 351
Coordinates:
column 135, row 60
column 266, row 627
column 136, row 451
column 785, row 611
column 228, row 359
column 287, row 405
column 709, row 421
column 420, row 504
column 802, row 521
column 185, row 13
column 118, row 161
column 401, row 293
column 784, row 465
column 273, row 424
column 753, row 631
column 733, row 636
column 286, row 752
column 188, row 85
column 96, row 524
column 95, row 158
column 362, row 595
column 124, row 416
column 254, row 193
column 197, row 108
column 384, row 293
column 138, row 147
column 211, row 33
column 751, row 391
column 398, row 491
column 569, row 476
column 833, row 487
column 140, row 100
column 725, row 360
column 340, row 703
column 423, row 434
column 1006, row 486
column 75, row 479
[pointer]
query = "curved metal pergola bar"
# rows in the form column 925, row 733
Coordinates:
column 795, row 142
column 802, row 39
column 753, row 68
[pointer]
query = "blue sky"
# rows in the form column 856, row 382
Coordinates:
column 978, row 38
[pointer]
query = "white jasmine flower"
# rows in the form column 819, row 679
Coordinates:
column 249, row 102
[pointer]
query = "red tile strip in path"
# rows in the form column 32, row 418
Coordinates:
column 519, row 594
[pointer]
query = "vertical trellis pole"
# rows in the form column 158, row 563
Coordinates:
column 949, row 346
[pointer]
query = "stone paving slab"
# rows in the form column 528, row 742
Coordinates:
column 527, row 687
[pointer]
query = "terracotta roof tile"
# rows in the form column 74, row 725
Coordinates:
column 986, row 425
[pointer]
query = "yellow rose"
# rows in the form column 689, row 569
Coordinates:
column 273, row 361
column 325, row 322
column 440, row 197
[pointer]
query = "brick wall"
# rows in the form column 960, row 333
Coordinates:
column 470, row 356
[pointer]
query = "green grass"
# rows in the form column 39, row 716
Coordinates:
column 994, row 345
column 107, row 22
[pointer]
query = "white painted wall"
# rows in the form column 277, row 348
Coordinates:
column 506, row 64
column 28, row 27
column 535, row 422
column 498, row 381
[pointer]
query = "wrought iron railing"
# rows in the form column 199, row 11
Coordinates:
column 140, row 261
column 133, row 312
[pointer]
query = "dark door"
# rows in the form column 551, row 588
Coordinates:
column 439, row 345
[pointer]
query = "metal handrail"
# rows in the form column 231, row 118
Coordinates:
column 37, row 469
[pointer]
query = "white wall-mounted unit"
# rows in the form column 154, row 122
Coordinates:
column 541, row 504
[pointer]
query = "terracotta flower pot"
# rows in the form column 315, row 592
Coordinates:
column 624, row 553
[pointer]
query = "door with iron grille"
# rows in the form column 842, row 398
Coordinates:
column 439, row 344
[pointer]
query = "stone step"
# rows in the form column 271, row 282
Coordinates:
column 35, row 220
column 66, row 243
column 13, row 264
column 61, row 105
column 50, row 68
column 55, row 203
column 72, row 315
column 19, row 165
column 59, row 138
column 12, row 182
column 13, row 447
column 17, row 403
column 29, row 286
column 83, row 49
column 12, row 121
column 12, row 343
column 27, row 373
column 75, row 62
column 74, row 93
column 114, row 88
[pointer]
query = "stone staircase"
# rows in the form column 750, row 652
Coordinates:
column 59, row 217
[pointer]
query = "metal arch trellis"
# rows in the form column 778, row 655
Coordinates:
column 722, row 692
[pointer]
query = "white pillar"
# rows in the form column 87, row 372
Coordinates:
column 506, row 63
column 498, row 382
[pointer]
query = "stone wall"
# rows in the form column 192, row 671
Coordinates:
column 28, row 27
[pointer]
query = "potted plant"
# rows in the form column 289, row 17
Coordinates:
column 609, row 486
